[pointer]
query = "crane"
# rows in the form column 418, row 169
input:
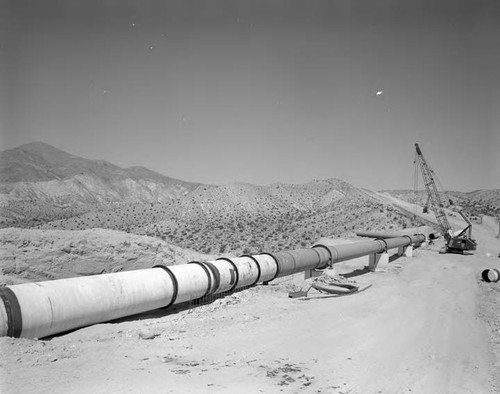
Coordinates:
column 456, row 242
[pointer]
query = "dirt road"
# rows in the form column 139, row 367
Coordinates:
column 427, row 325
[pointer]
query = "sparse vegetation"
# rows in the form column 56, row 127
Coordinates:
column 247, row 219
column 474, row 204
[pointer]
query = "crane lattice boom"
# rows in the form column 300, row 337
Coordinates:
column 433, row 194
column 455, row 243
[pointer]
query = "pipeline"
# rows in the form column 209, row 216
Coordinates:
column 41, row 309
column 379, row 234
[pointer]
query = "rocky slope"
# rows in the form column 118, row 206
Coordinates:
column 34, row 255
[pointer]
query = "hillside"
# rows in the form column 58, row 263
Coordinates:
column 39, row 183
column 45, row 188
column 244, row 218
column 474, row 204
column 34, row 255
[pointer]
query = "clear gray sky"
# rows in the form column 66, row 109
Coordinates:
column 259, row 91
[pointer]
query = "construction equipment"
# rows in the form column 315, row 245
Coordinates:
column 456, row 241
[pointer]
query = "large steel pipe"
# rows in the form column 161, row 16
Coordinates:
column 37, row 310
column 268, row 267
column 385, row 234
column 380, row 234
column 345, row 252
column 293, row 261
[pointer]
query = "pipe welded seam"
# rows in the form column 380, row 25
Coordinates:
column 278, row 267
column 208, row 276
column 216, row 274
column 13, row 310
column 175, row 284
column 336, row 258
column 259, row 271
column 237, row 274
column 329, row 264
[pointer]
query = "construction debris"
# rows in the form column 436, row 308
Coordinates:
column 329, row 283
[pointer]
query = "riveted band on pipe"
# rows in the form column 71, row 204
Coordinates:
column 235, row 270
column 278, row 268
column 259, row 272
column 216, row 274
column 385, row 244
column 329, row 253
column 175, row 284
column 334, row 253
column 336, row 257
column 208, row 275
column 13, row 310
column 409, row 239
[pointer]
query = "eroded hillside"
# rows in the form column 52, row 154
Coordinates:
column 34, row 255
column 474, row 204
column 244, row 218
column 46, row 188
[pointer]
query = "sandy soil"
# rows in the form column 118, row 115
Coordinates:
column 427, row 325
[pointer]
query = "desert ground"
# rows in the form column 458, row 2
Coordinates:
column 428, row 324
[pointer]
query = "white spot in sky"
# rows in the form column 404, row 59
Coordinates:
column 132, row 24
column 379, row 93
column 151, row 47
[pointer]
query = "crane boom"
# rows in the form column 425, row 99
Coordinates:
column 455, row 243
column 433, row 194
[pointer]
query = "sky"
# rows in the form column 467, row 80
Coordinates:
column 259, row 91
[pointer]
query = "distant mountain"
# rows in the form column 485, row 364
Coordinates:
column 40, row 183
column 38, row 161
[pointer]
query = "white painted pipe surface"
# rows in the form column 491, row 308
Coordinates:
column 192, row 282
column 248, row 271
column 51, row 307
column 228, row 274
column 268, row 267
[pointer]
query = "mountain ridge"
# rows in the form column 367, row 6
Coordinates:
column 40, row 183
column 50, row 163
